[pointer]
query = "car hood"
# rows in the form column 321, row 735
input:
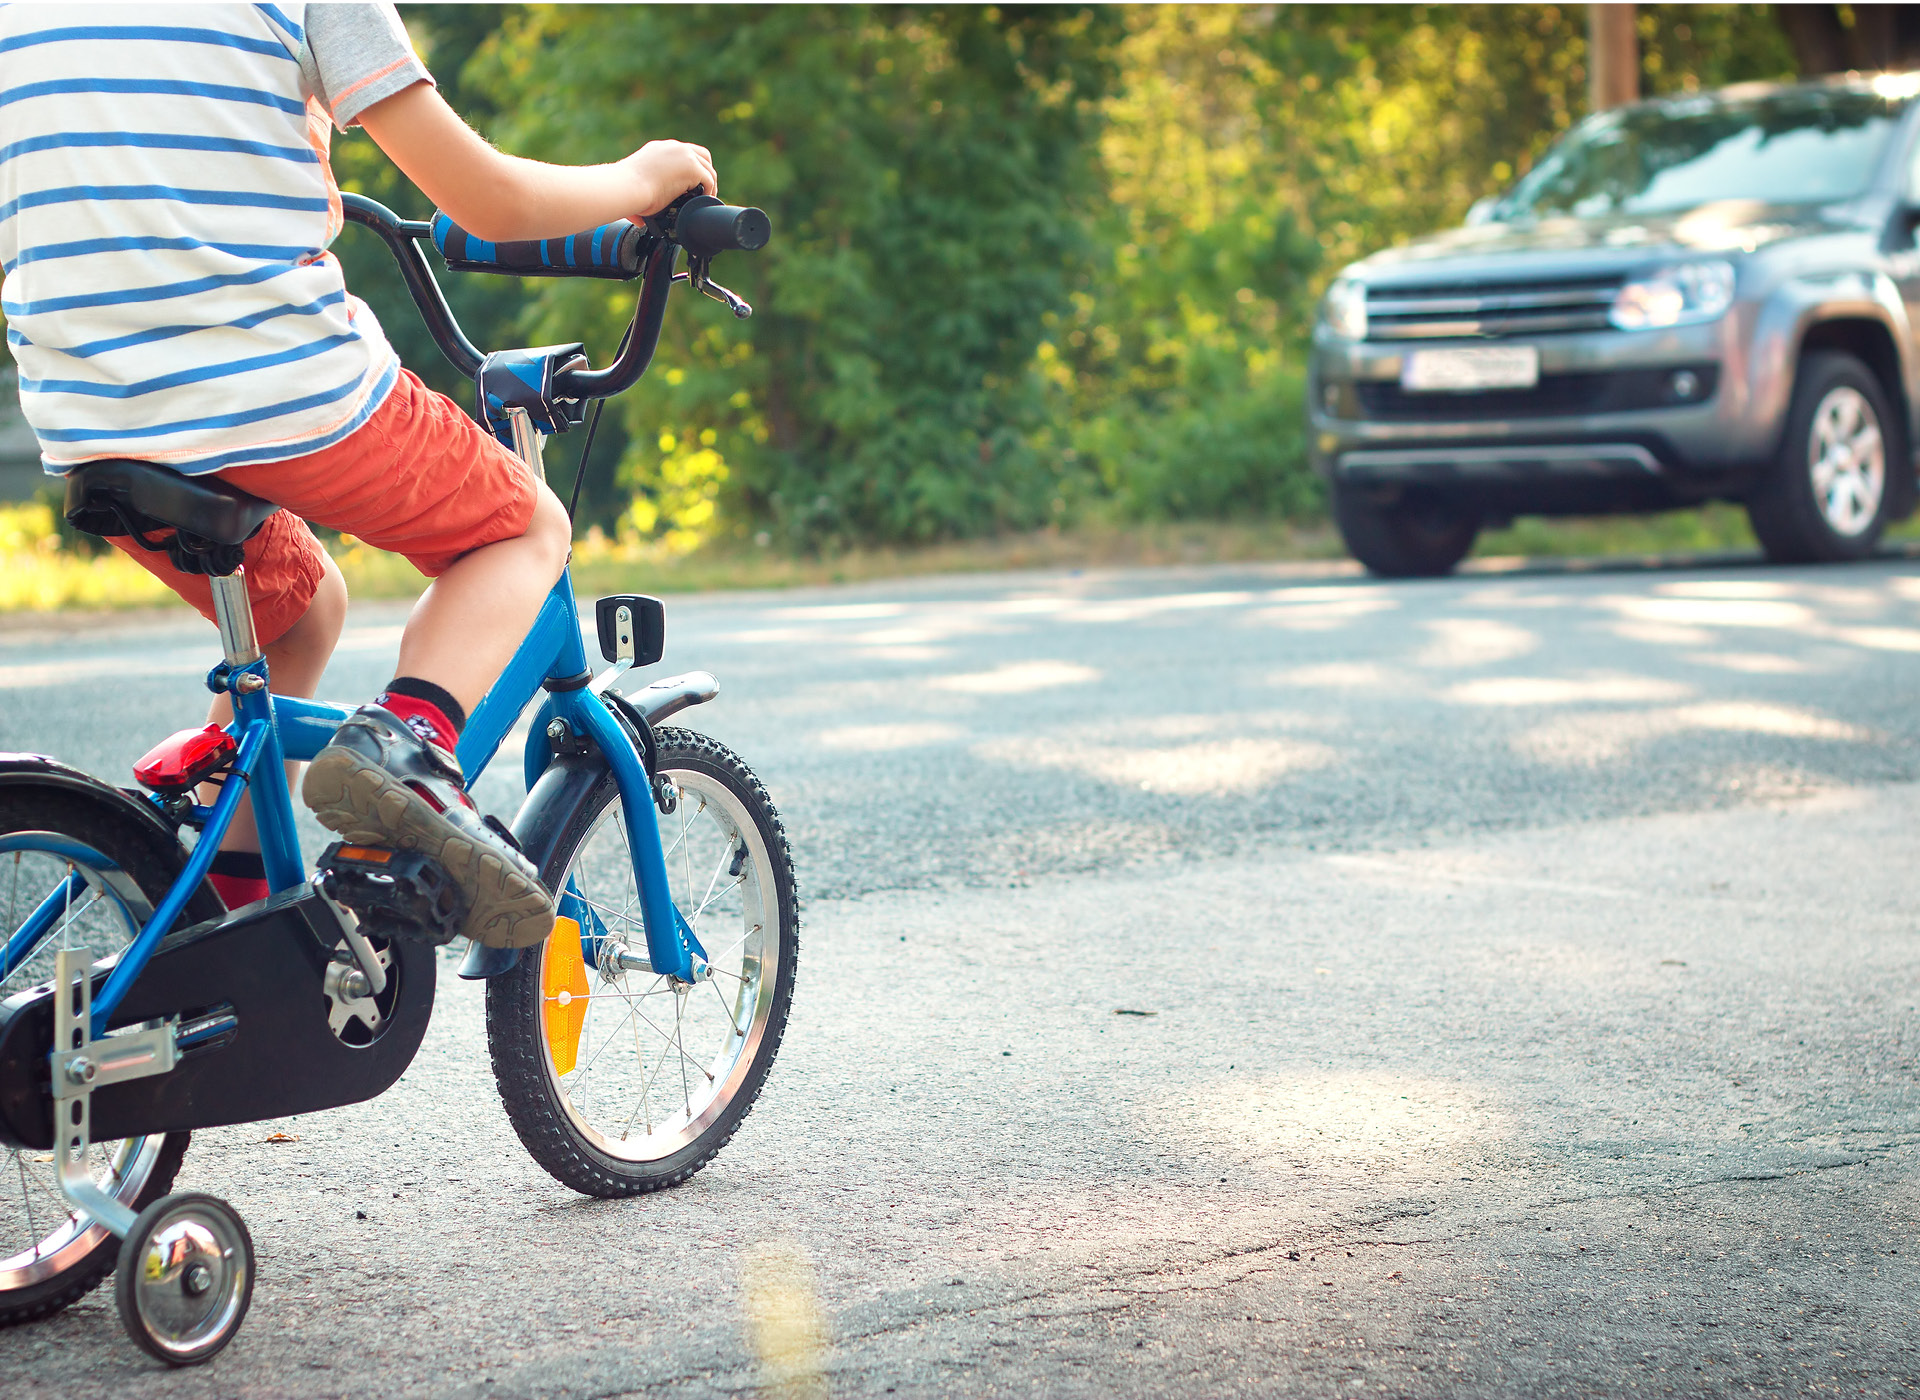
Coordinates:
column 1592, row 247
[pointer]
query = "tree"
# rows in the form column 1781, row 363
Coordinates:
column 1839, row 38
column 928, row 176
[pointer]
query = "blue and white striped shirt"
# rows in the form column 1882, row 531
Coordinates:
column 166, row 204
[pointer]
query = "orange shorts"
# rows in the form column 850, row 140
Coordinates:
column 419, row 479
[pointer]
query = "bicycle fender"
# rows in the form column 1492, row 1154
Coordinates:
column 18, row 770
column 654, row 703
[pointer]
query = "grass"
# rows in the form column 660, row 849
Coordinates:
column 38, row 574
column 1713, row 529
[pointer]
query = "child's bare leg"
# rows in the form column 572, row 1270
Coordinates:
column 388, row 778
column 465, row 627
column 295, row 663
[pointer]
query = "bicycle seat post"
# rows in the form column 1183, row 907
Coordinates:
column 233, row 613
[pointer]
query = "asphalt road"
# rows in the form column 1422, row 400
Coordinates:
column 1214, row 982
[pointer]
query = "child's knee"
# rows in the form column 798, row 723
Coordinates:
column 330, row 599
column 550, row 531
column 319, row 627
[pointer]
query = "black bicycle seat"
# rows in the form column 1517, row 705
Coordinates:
column 122, row 497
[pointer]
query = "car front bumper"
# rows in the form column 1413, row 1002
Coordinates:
column 1606, row 410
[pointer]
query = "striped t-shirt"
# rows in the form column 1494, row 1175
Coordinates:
column 165, row 208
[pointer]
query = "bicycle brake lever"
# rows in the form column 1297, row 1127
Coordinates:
column 697, row 278
column 720, row 294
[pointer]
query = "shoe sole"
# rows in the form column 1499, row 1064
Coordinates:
column 360, row 801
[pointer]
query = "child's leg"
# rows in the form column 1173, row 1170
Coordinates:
column 465, row 627
column 299, row 604
column 295, row 662
column 422, row 479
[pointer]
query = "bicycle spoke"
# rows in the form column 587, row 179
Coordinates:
column 679, row 1045
column 26, row 1204
column 640, row 1062
column 733, row 1014
column 581, row 1072
column 620, row 1098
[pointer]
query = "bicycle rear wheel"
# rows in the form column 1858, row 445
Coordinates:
column 621, row 1082
column 50, row 1254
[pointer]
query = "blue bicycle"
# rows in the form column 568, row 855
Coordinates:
column 627, row 1047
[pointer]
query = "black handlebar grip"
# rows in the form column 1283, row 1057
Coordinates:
column 704, row 226
column 615, row 250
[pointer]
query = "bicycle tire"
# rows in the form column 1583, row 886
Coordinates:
column 152, row 863
column 538, row 1104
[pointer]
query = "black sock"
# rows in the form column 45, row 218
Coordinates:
column 242, row 865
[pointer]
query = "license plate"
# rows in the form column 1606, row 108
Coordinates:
column 1471, row 367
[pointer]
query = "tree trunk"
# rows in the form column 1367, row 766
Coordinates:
column 1613, row 56
column 1879, row 37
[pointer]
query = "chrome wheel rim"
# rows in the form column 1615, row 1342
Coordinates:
column 190, row 1278
column 1847, row 461
column 41, row 1236
column 657, row 1062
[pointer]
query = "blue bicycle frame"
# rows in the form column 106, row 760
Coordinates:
column 271, row 729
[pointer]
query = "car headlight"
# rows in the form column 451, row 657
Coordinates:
column 1345, row 309
column 1674, row 296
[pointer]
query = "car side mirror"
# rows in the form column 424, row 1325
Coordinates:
column 1481, row 210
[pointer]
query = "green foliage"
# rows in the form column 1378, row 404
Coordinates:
column 1029, row 265
column 928, row 173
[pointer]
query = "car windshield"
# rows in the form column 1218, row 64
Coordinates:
column 1797, row 147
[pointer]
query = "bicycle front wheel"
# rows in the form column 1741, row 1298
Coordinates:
column 621, row 1081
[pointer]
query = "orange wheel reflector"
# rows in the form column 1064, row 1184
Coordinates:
column 372, row 855
column 563, row 994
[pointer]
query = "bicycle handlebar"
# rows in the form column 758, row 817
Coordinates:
column 613, row 250
column 704, row 226
column 700, row 224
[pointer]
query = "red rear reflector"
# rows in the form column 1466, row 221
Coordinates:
column 183, row 759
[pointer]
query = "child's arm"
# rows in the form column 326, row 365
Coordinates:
column 503, row 198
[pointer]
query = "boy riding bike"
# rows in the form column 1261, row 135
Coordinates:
column 165, row 207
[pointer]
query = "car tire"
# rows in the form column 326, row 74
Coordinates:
column 1417, row 536
column 1827, row 494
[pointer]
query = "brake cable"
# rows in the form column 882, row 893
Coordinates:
column 593, row 426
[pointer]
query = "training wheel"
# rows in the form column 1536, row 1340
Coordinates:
column 185, row 1278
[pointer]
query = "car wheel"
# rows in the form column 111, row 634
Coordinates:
column 1417, row 536
column 1825, row 498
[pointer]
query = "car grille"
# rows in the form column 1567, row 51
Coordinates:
column 1615, row 391
column 1489, row 310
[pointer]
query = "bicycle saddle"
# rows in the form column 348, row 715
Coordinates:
column 210, row 519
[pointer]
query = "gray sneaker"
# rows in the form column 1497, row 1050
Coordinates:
column 378, row 783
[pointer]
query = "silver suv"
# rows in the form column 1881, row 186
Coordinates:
column 1707, row 297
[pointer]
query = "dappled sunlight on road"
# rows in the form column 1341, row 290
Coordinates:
column 1019, row 678
column 885, row 738
column 1316, row 1121
column 1319, row 616
column 1735, row 682
column 1601, row 738
column 1753, row 663
column 1461, row 642
column 1233, row 765
column 1564, row 690
column 1881, row 638
column 1712, row 612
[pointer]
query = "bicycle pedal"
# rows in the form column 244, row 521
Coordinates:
column 394, row 894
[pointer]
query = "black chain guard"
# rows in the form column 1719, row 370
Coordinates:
column 267, row 965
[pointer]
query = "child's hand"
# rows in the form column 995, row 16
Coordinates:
column 665, row 170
